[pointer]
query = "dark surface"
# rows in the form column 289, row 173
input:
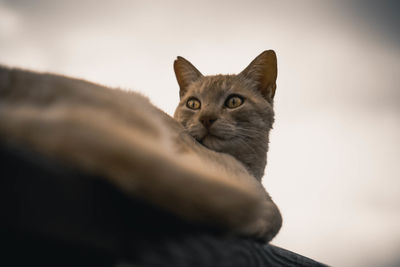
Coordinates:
column 55, row 216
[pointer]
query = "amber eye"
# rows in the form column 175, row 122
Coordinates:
column 233, row 101
column 193, row 103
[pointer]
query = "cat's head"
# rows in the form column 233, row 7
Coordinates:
column 230, row 113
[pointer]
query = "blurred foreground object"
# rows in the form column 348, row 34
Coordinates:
column 90, row 177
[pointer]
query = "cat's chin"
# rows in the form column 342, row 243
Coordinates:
column 211, row 142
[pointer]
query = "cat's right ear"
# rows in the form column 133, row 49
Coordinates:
column 263, row 71
column 185, row 74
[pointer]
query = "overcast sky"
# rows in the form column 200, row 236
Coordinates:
column 334, row 162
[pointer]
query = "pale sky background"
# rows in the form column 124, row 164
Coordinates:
column 334, row 161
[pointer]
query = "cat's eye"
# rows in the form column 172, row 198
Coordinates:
column 233, row 101
column 193, row 103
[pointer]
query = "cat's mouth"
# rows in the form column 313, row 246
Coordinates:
column 208, row 139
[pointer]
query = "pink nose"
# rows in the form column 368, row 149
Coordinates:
column 207, row 121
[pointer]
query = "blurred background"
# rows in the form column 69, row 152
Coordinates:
column 334, row 160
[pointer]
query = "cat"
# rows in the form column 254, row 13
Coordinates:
column 230, row 113
column 172, row 163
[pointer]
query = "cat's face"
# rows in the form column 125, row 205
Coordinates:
column 223, row 112
column 229, row 113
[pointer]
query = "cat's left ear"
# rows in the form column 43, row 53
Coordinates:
column 185, row 74
column 263, row 70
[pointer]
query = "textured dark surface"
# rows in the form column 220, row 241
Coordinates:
column 55, row 216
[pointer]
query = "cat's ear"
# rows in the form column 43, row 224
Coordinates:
column 263, row 70
column 185, row 74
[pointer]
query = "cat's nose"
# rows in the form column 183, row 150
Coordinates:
column 207, row 120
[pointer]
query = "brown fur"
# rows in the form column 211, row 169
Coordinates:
column 122, row 137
